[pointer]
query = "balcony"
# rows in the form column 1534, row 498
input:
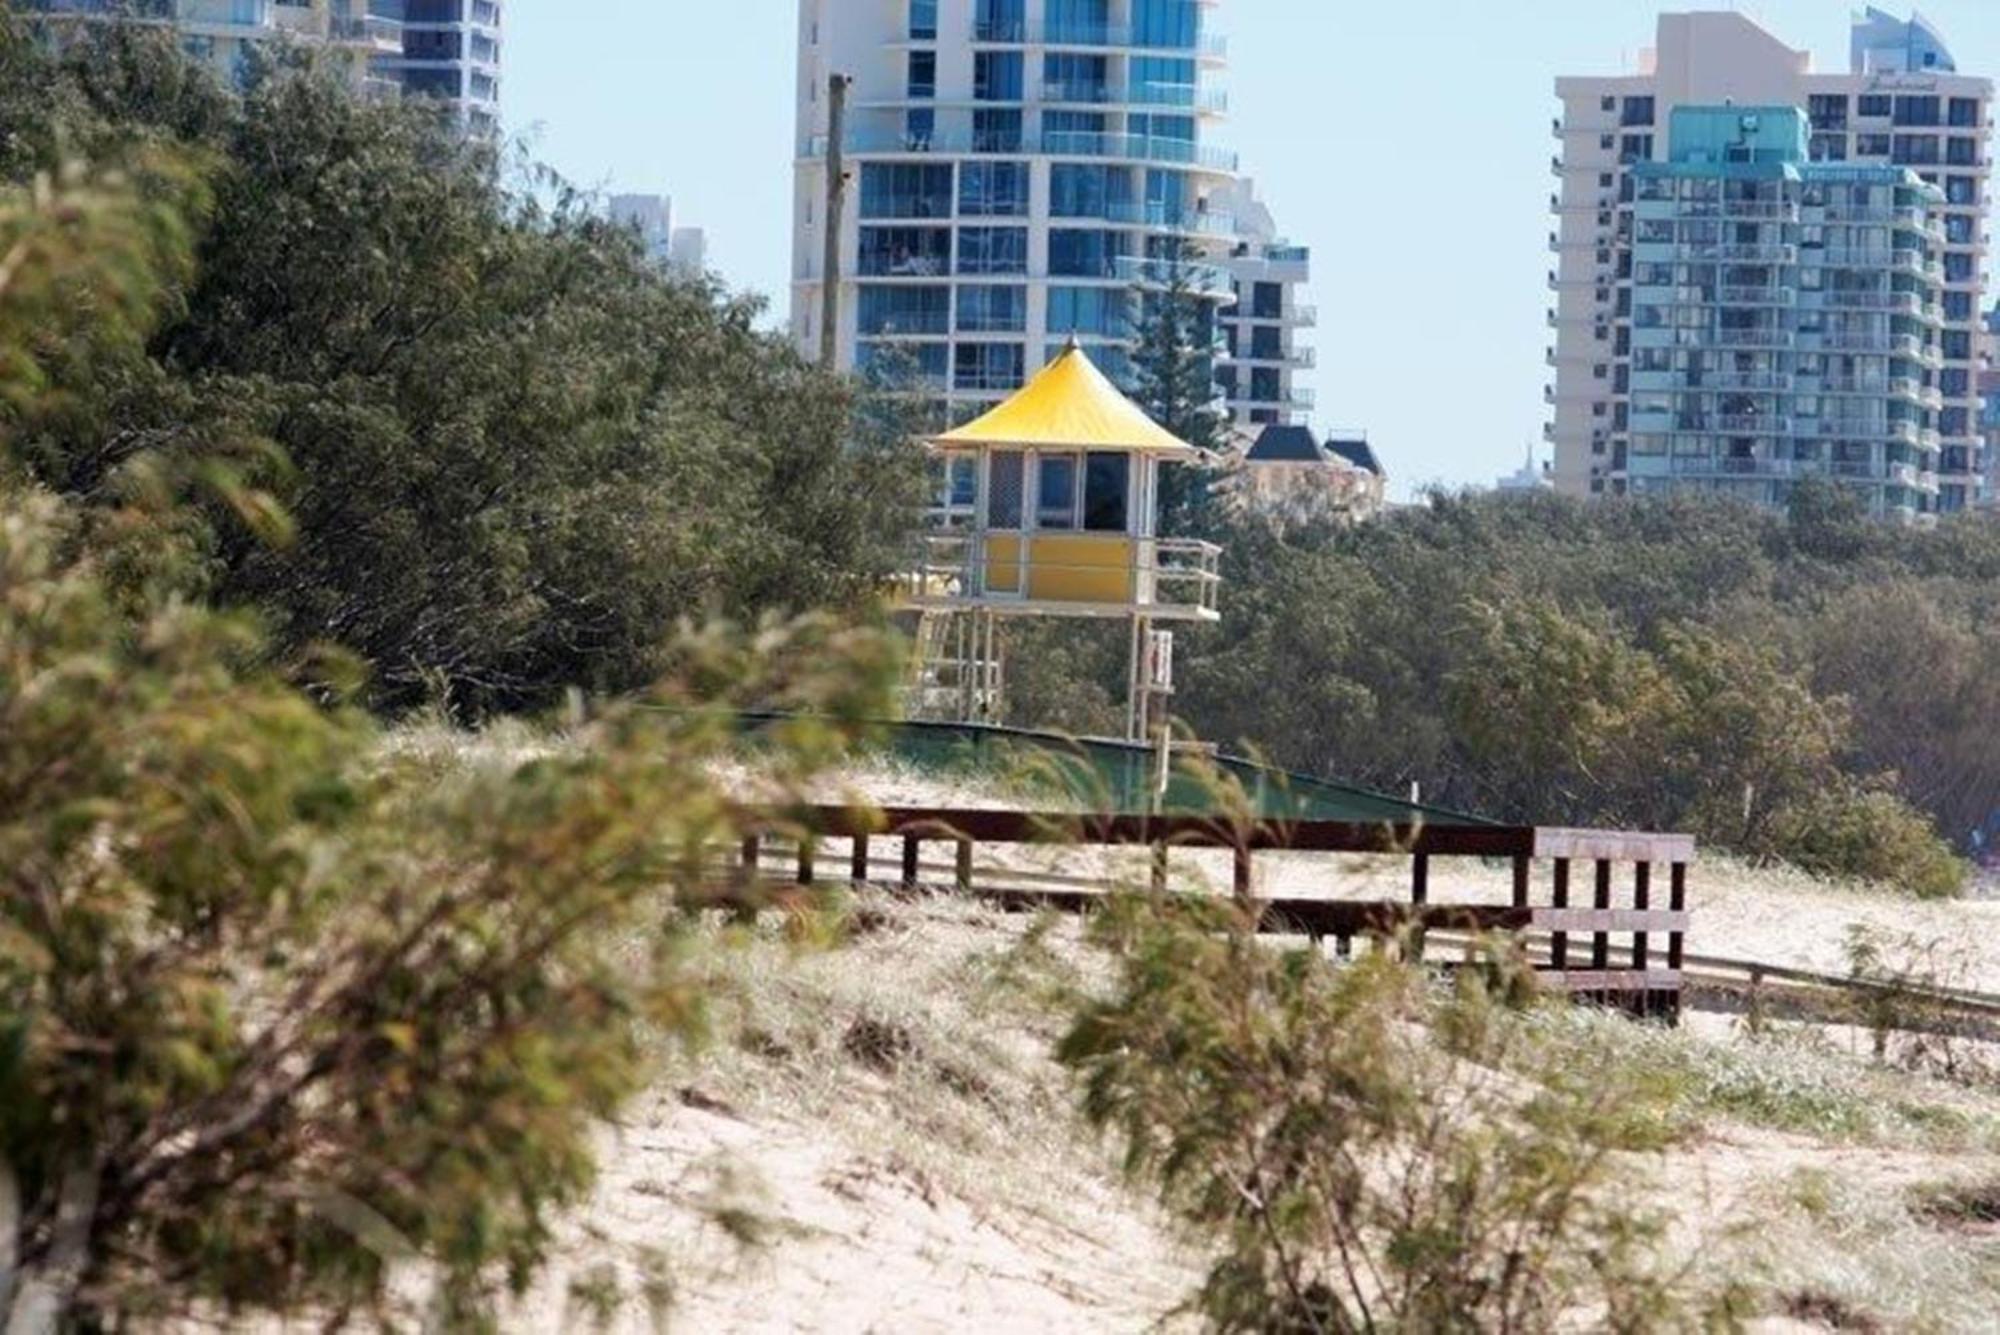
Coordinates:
column 1753, row 338
column 1753, row 424
column 1138, row 148
column 1205, row 279
column 1853, row 384
column 1756, row 296
column 1737, row 380
column 1184, row 97
column 1095, row 36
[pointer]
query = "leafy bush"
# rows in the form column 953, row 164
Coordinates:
column 269, row 1001
column 1347, row 1140
column 1871, row 835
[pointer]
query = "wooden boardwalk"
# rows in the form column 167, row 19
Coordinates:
column 1609, row 924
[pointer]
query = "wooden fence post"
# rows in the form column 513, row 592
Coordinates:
column 964, row 865
column 1600, row 940
column 1559, row 941
column 1521, row 866
column 910, row 847
column 1642, row 899
column 1677, row 886
column 857, row 867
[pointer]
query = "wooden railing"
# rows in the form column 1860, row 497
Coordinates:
column 1605, row 926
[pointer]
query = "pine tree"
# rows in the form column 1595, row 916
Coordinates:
column 1173, row 364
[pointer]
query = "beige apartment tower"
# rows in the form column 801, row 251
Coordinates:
column 1901, row 103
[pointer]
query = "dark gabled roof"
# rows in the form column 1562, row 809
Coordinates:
column 1356, row 451
column 1282, row 444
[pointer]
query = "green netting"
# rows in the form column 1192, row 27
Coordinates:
column 1119, row 777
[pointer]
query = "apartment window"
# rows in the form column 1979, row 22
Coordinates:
column 1635, row 148
column 1172, row 25
column 1873, row 104
column 1069, row 76
column 1076, row 252
column 1961, row 190
column 997, row 76
column 1953, row 422
column 1267, row 343
column 1961, row 152
column 1827, row 111
column 905, row 252
column 1638, row 111
column 919, row 128
column 1604, row 180
column 1086, row 22
column 1915, row 149
column 1954, row 382
column 996, row 131
column 1828, row 148
column 1267, row 301
column 1964, row 111
column 993, row 190
column 984, row 309
column 987, row 366
column 1167, row 81
column 1088, row 190
column 1917, row 111
column 887, row 309
column 1957, row 345
column 1607, row 142
column 993, row 250
column 1104, row 311
column 1871, row 145
column 1958, row 305
column 1957, row 267
column 923, row 20
column 905, row 190
column 1000, row 21
column 1958, row 228
column 1607, row 104
column 897, row 363
column 923, row 74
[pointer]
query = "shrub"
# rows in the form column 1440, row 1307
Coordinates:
column 1871, row 835
column 274, row 1011
column 1346, row 1139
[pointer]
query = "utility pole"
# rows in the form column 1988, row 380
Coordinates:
column 836, row 207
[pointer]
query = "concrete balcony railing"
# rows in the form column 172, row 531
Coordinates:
column 1753, row 424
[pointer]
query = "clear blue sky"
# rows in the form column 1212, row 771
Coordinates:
column 1406, row 141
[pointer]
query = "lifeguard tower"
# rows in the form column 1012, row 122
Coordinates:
column 1048, row 506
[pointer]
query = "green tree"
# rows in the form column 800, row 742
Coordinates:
column 516, row 453
column 1173, row 368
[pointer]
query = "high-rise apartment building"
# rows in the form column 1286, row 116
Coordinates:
column 652, row 217
column 450, row 53
column 1261, row 351
column 222, row 33
column 1785, row 316
column 448, row 50
column 1017, row 170
column 1901, row 104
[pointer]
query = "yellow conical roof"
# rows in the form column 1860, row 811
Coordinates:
column 1069, row 405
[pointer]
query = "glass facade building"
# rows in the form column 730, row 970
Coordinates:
column 1020, row 172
